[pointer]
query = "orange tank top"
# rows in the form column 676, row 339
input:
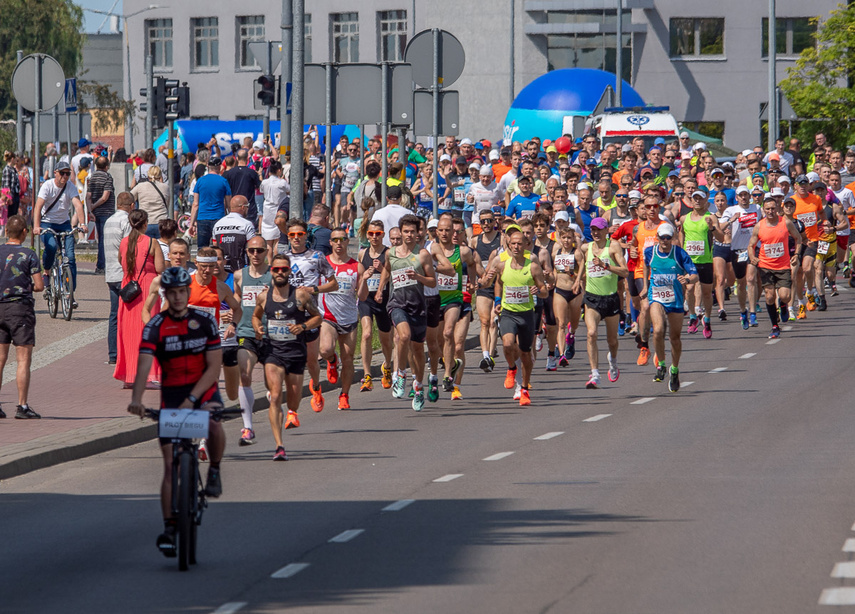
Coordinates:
column 646, row 238
column 205, row 298
column 774, row 245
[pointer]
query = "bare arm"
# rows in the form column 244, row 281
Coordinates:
column 153, row 295
column 258, row 314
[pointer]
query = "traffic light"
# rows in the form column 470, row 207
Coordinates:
column 267, row 91
column 152, row 106
column 177, row 102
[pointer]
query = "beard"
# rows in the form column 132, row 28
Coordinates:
column 280, row 282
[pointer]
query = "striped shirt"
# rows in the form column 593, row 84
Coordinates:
column 100, row 182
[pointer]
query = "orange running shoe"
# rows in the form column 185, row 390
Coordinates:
column 525, row 399
column 802, row 313
column 332, row 370
column 291, row 420
column 643, row 357
column 510, row 378
column 386, row 381
column 367, row 384
column 317, row 397
column 811, row 305
column 343, row 401
column 456, row 395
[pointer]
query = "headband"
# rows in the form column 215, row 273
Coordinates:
column 206, row 260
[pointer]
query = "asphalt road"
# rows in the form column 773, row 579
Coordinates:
column 734, row 495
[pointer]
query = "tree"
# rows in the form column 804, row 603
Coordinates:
column 47, row 26
column 818, row 86
column 109, row 110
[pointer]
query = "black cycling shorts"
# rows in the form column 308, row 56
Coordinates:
column 418, row 327
column 705, row 272
column 373, row 309
column 432, row 310
column 230, row 356
column 520, row 324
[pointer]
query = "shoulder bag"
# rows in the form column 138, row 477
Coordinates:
column 131, row 290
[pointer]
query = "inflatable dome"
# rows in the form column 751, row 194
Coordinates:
column 540, row 108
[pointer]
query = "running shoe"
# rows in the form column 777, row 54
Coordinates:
column 674, row 381
column 214, row 485
column 166, row 543
column 317, row 397
column 551, row 364
column 743, row 317
column 458, row 364
column 510, row 378
column 776, row 332
column 280, row 455
column 447, row 384
column 433, row 391
column 343, row 401
column 846, row 271
column 25, row 412
column 203, row 450
column 563, row 362
column 419, row 400
column 247, row 437
column 412, row 390
column 811, row 306
column 570, row 347
column 793, row 315
column 386, row 381
column 632, row 330
column 614, row 372
column 538, row 343
column 517, row 392
column 485, row 364
column 722, row 315
column 785, row 314
column 752, row 319
column 693, row 326
column 707, row 330
column 332, row 370
column 492, row 363
column 399, row 386
column 834, row 291
column 456, row 395
column 593, row 382
column 525, row 399
column 643, row 357
column 661, row 372
column 367, row 384
column 822, row 304
column 621, row 328
column 292, row 421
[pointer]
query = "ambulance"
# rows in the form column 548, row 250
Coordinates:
column 623, row 124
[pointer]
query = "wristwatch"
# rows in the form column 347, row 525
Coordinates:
column 303, row 324
column 192, row 399
column 314, row 290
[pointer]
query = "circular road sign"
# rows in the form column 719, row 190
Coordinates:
column 52, row 82
column 419, row 53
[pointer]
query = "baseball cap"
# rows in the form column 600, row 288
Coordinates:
column 769, row 197
column 700, row 193
column 634, row 194
column 85, row 162
column 665, row 230
column 774, row 156
column 659, row 141
column 674, row 174
column 742, row 190
column 258, row 145
column 505, row 151
column 747, row 152
column 394, row 191
column 590, row 161
column 790, row 201
column 485, row 169
column 512, row 228
column 699, row 146
column 784, row 179
column 433, row 223
column 562, row 215
column 625, row 148
column 493, row 155
column 83, row 142
column 551, row 149
column 487, row 144
column 684, row 135
column 716, row 171
column 599, row 222
column 479, row 146
column 757, row 188
column 645, row 170
column 460, row 160
column 62, row 166
column 802, row 179
column 215, row 161
column 776, row 192
column 819, row 186
column 727, row 164
column 445, row 158
column 812, row 177
column 475, row 165
column 466, row 141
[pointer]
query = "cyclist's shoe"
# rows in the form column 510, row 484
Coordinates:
column 614, row 372
column 752, row 319
column 563, row 362
column 693, row 326
column 484, row 365
column 166, row 543
column 343, row 401
column 593, row 382
column 291, row 420
column 743, row 317
column 456, row 395
column 776, row 332
column 332, row 370
column 722, row 315
column 25, row 412
column 367, row 384
column 419, row 400
column 551, row 364
column 317, row 397
column 802, row 313
column 399, row 386
column 447, row 384
column 247, row 437
column 433, row 390
column 570, row 347
column 517, row 392
column 674, row 381
column 280, row 455
column 643, row 357
column 707, row 330
column 74, row 304
column 510, row 378
column 661, row 372
column 821, row 303
column 214, row 485
column 458, row 364
column 525, row 399
column 203, row 450
column 811, row 306
column 386, row 380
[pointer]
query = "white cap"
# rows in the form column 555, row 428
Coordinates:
column 747, row 152
column 742, row 189
column 485, row 170
column 634, row 194
column 445, row 157
column 812, row 177
column 700, row 193
column 466, row 141
column 684, row 135
column 433, row 223
column 784, row 179
column 562, row 215
column 777, row 192
column 699, row 146
column 666, row 230
column 584, row 185
column 258, row 145
column 476, row 165
column 626, row 147
column 493, row 155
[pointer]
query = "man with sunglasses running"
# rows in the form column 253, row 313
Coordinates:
column 644, row 236
column 371, row 261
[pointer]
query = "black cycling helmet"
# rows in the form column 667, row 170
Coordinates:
column 175, row 277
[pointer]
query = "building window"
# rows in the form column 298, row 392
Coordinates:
column 345, row 37
column 159, row 42
column 588, row 50
column 392, row 33
column 307, row 38
column 206, row 44
column 792, row 35
column 250, row 28
column 698, row 36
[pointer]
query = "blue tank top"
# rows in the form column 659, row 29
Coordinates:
column 664, row 288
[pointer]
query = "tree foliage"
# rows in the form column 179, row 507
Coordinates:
column 818, row 86
column 44, row 26
column 108, row 108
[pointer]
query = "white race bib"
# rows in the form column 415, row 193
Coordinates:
column 527, row 214
column 446, row 283
column 773, row 250
column 566, row 263
column 249, row 295
column 183, row 423
column 278, row 330
column 742, row 255
column 695, row 248
column 822, row 247
column 373, row 282
column 808, row 219
column 596, row 270
column 213, row 311
column 459, row 195
column 401, row 278
column 517, row 295
column 663, row 294
column 345, row 283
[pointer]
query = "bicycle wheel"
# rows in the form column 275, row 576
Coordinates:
column 186, row 487
column 52, row 294
column 67, row 291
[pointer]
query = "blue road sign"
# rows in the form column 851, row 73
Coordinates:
column 70, row 95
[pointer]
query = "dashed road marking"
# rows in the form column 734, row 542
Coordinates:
column 718, row 370
column 346, row 536
column 546, row 436
column 449, row 477
column 596, row 418
column 787, row 328
column 643, row 400
column 773, row 341
column 291, row 569
column 230, row 608
column 397, row 506
column 686, row 384
column 837, row 596
column 849, row 545
column 843, row 570
column 498, row 456
column 749, row 355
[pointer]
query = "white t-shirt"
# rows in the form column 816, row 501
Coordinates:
column 485, row 197
column 390, row 215
column 75, row 162
column 742, row 228
column 274, row 189
column 59, row 214
column 847, row 200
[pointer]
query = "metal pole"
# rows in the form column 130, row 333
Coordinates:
column 284, row 80
column 54, row 125
column 773, row 82
column 37, row 136
column 361, row 151
column 297, row 108
column 149, row 100
column 130, row 119
column 619, row 56
column 384, row 127
column 266, row 128
column 19, row 124
column 434, row 86
column 328, row 67
column 171, row 170
column 68, row 136
column 511, row 94
column 80, row 134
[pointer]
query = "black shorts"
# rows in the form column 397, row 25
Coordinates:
column 607, row 306
column 432, row 310
column 489, row 293
column 739, row 268
column 705, row 272
column 172, row 397
column 446, row 307
column 251, row 344
column 810, row 250
column 312, row 335
column 294, row 362
column 775, row 279
column 17, row 323
column 518, row 323
column 230, row 356
column 548, row 312
column 373, row 309
column 569, row 295
column 342, row 329
column 418, row 327
column 722, row 251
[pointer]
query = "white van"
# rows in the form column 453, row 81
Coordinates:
column 622, row 124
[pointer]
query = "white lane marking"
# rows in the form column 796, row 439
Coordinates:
column 498, row 456
column 686, row 384
column 230, row 608
column 346, row 536
column 643, row 400
column 749, row 355
column 837, row 596
column 773, row 341
column 849, row 545
column 449, row 477
column 718, row 370
column 853, row 527
column 546, row 436
column 787, row 328
column 292, row 569
column 397, row 506
column 843, row 570
column 596, row 418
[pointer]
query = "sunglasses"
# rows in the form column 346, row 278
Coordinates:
column 621, row 195
column 338, row 239
column 64, row 173
column 256, row 250
column 376, row 233
column 280, row 269
column 679, row 194
column 666, row 238
column 295, row 235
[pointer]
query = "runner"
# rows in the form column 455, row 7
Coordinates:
column 741, row 219
column 486, row 245
column 826, row 258
column 722, row 257
column 644, row 236
column 290, row 314
column 249, row 282
column 433, row 310
column 667, row 268
column 228, row 330
column 773, row 234
column 232, row 232
column 604, row 264
column 470, row 271
column 543, row 242
column 809, row 211
column 567, row 302
column 372, row 260
column 341, row 316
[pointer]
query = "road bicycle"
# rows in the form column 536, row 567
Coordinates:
column 60, row 287
column 181, row 427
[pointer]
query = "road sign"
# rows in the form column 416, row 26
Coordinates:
column 419, row 53
column 449, row 113
column 258, row 50
column 52, row 84
column 70, row 95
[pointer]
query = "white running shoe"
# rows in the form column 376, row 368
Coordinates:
column 551, row 364
column 517, row 392
column 614, row 372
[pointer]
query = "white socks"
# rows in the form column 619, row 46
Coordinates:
column 247, row 400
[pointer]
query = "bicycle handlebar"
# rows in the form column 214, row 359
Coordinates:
column 60, row 234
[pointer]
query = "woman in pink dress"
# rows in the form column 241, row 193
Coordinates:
column 142, row 260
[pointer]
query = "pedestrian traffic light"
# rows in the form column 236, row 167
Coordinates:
column 267, row 91
column 177, row 102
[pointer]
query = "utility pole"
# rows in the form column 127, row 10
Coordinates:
column 19, row 125
column 511, row 90
column 296, row 181
column 284, row 81
column 772, row 107
column 619, row 55
column 149, row 96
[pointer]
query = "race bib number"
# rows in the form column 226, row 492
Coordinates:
column 527, row 214
column 748, row 220
column 183, row 423
column 695, row 248
column 663, row 294
column 822, row 247
column 446, row 283
column 459, row 195
column 517, row 295
column 373, row 282
column 808, row 219
column 401, row 278
column 595, row 270
column 566, row 263
column 249, row 295
column 742, row 255
column 278, row 330
column 773, row 250
column 345, row 284
column 212, row 311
